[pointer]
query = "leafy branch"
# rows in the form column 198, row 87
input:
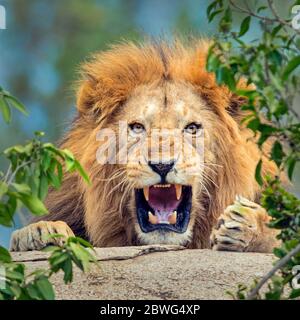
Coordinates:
column 269, row 65
column 33, row 169
column 36, row 285
column 7, row 101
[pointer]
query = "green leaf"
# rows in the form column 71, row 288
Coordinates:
column 210, row 7
column 45, row 288
column 22, row 188
column 276, row 30
column 5, row 216
column 82, row 172
column 54, row 180
column 253, row 124
column 50, row 147
column 245, row 26
column 34, row 204
column 261, row 9
column 43, row 187
column 291, row 164
column 214, row 14
column 277, row 153
column 59, row 172
column 82, row 255
column 3, row 188
column 295, row 294
column 291, row 66
column 68, row 154
column 16, row 149
column 80, row 241
column 39, row 134
column 258, row 176
column 16, row 104
column 46, row 160
column 279, row 253
column 5, row 109
column 15, row 275
column 58, row 259
column 213, row 62
column 4, row 255
column 70, row 164
column 68, row 271
column 33, row 292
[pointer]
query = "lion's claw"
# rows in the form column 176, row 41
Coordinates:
column 240, row 227
column 37, row 236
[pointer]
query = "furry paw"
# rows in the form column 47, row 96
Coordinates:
column 243, row 227
column 36, row 235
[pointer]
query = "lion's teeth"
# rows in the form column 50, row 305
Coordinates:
column 162, row 186
column 173, row 218
column 178, row 188
column 152, row 218
column 146, row 193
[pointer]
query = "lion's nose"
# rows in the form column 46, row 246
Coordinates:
column 162, row 168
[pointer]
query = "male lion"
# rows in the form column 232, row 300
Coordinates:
column 158, row 86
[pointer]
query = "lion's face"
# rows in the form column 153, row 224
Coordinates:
column 168, row 129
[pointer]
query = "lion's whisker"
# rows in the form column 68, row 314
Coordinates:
column 206, row 177
column 213, row 164
column 116, row 174
column 207, row 192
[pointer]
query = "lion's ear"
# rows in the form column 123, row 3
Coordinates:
column 86, row 96
column 235, row 105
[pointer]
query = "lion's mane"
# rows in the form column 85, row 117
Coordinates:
column 108, row 79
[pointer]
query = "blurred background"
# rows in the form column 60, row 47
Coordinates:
column 45, row 42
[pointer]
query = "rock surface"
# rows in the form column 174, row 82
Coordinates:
column 157, row 272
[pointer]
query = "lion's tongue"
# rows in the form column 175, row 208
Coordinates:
column 163, row 201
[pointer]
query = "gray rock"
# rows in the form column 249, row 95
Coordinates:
column 158, row 272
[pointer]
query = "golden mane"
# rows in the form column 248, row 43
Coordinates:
column 100, row 212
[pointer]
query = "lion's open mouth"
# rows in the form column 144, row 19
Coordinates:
column 164, row 207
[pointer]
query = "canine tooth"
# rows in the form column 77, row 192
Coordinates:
column 173, row 218
column 178, row 188
column 146, row 193
column 152, row 218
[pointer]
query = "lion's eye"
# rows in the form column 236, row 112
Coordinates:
column 193, row 128
column 137, row 127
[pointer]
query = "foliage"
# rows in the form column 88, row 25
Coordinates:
column 269, row 62
column 33, row 168
column 36, row 285
column 7, row 101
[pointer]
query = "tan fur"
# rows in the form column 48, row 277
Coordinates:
column 130, row 81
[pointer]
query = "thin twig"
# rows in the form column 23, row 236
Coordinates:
column 16, row 171
column 251, row 13
column 281, row 263
column 7, row 174
column 277, row 18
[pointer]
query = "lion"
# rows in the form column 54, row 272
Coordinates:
column 208, row 199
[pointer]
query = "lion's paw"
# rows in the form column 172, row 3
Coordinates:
column 37, row 236
column 240, row 228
